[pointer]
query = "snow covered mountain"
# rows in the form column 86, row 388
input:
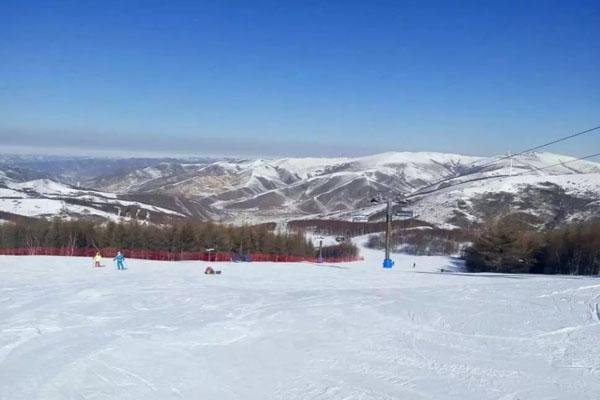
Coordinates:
column 257, row 190
column 443, row 189
column 48, row 198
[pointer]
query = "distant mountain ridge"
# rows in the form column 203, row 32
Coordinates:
column 460, row 190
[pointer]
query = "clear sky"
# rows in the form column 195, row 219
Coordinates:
column 298, row 77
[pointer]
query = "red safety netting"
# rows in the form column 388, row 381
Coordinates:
column 163, row 255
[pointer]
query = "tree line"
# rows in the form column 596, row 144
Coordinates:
column 180, row 236
column 346, row 249
column 423, row 241
column 509, row 245
column 350, row 228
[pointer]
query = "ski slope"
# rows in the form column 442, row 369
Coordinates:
column 162, row 330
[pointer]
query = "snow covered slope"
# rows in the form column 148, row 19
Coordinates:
column 162, row 330
column 542, row 197
column 47, row 198
column 550, row 189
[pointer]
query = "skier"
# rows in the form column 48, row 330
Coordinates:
column 119, row 258
column 414, row 265
column 97, row 260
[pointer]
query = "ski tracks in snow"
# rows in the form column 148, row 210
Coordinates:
column 294, row 331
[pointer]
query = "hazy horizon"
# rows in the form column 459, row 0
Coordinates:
column 24, row 151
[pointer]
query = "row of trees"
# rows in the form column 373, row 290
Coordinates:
column 350, row 228
column 508, row 245
column 178, row 237
column 346, row 249
column 423, row 241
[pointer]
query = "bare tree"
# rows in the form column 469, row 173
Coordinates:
column 71, row 243
column 32, row 243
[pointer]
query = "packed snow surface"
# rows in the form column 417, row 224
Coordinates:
column 161, row 330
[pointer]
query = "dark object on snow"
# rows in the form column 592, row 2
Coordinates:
column 210, row 271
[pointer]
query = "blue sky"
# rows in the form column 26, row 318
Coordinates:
column 298, row 78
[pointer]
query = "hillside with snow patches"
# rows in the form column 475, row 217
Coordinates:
column 550, row 188
column 48, row 198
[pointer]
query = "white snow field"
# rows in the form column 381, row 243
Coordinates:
column 164, row 330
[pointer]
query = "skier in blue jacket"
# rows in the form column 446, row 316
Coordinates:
column 119, row 258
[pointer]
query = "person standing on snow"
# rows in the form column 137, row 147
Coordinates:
column 119, row 258
column 97, row 260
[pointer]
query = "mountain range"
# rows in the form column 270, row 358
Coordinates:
column 446, row 190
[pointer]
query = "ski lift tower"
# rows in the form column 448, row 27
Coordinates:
column 389, row 199
column 320, row 239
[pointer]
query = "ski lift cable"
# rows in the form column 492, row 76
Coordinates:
column 540, row 146
column 561, row 163
column 469, row 170
column 526, row 172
